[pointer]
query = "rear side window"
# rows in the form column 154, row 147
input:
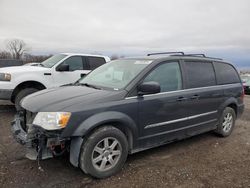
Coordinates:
column 95, row 62
column 226, row 74
column 200, row 74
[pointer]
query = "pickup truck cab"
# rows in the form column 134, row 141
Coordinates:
column 61, row 69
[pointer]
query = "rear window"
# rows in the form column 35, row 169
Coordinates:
column 95, row 62
column 226, row 74
column 200, row 74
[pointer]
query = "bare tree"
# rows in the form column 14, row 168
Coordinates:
column 16, row 47
column 5, row 55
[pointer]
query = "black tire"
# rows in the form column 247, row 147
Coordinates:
column 23, row 93
column 221, row 129
column 87, row 152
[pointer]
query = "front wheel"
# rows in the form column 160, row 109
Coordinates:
column 104, row 153
column 20, row 95
column 227, row 122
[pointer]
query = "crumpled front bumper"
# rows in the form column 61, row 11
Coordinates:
column 18, row 132
column 40, row 144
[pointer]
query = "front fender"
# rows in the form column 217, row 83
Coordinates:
column 93, row 122
column 104, row 118
column 33, row 77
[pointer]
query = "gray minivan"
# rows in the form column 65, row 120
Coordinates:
column 130, row 105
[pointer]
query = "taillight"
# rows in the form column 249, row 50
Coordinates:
column 242, row 93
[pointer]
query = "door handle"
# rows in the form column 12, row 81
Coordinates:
column 181, row 99
column 195, row 97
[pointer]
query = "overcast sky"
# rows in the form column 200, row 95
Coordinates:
column 217, row 27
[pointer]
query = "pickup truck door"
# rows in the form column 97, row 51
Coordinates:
column 78, row 68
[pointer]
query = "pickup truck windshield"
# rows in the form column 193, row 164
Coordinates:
column 115, row 74
column 48, row 63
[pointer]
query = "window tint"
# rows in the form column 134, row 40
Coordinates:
column 200, row 74
column 95, row 62
column 168, row 75
column 226, row 74
column 75, row 63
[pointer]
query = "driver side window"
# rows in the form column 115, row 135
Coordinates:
column 168, row 75
column 74, row 62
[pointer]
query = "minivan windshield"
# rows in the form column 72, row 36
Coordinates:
column 116, row 74
column 48, row 63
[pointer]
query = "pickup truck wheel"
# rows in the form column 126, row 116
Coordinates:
column 227, row 122
column 104, row 153
column 23, row 93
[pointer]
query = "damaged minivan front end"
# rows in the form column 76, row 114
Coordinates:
column 41, row 133
column 53, row 121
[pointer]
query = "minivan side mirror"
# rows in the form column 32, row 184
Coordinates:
column 149, row 88
column 63, row 67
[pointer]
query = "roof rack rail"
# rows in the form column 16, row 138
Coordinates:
column 214, row 58
column 202, row 55
column 183, row 54
column 160, row 53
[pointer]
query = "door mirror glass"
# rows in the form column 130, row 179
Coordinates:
column 149, row 88
column 63, row 68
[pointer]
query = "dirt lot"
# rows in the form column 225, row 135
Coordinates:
column 201, row 161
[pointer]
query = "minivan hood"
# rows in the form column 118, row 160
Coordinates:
column 58, row 99
column 17, row 69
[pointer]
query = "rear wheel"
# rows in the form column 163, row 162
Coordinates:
column 21, row 94
column 104, row 153
column 227, row 122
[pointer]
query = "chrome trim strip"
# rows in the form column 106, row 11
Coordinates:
column 179, row 129
column 179, row 120
column 181, row 90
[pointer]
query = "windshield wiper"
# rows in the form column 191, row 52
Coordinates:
column 88, row 85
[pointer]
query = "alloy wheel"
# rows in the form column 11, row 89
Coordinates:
column 106, row 154
column 227, row 122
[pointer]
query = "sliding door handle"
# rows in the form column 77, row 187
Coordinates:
column 195, row 97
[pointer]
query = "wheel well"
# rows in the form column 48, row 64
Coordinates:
column 233, row 106
column 27, row 84
column 122, row 127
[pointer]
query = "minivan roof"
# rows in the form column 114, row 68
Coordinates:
column 174, row 57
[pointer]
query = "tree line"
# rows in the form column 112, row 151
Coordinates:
column 19, row 50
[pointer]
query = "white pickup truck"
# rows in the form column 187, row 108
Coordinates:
column 61, row 69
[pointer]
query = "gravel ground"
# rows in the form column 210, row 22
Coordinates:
column 201, row 161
